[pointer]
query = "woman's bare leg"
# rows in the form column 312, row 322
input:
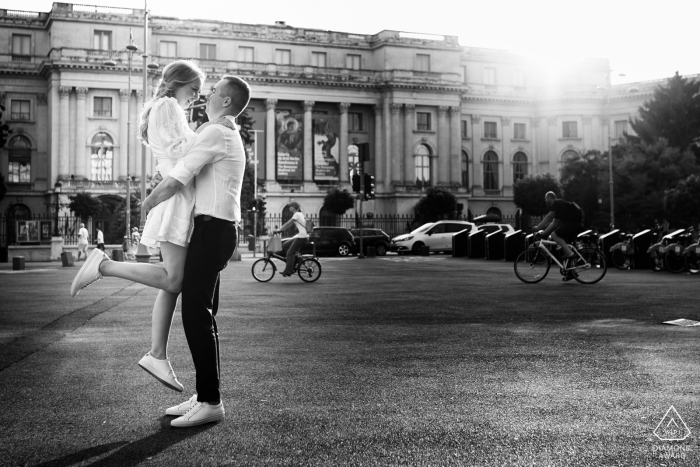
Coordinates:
column 163, row 311
column 167, row 277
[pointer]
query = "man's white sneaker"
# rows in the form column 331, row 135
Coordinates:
column 89, row 272
column 161, row 370
column 199, row 414
column 182, row 409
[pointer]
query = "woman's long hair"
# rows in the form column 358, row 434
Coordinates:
column 175, row 75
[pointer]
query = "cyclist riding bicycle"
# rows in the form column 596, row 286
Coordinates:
column 299, row 239
column 565, row 221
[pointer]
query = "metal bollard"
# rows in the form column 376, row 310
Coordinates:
column 18, row 263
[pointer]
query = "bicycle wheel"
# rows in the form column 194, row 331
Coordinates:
column 264, row 270
column 674, row 262
column 309, row 270
column 592, row 268
column 621, row 260
column 692, row 263
column 531, row 266
column 656, row 262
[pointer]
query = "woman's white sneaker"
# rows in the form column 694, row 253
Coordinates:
column 199, row 414
column 182, row 409
column 89, row 272
column 161, row 370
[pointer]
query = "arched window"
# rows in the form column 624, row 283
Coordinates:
column 569, row 156
column 465, row 169
column 20, row 152
column 490, row 171
column 101, row 157
column 421, row 160
column 519, row 166
column 494, row 211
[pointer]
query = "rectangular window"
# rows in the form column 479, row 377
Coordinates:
column 620, row 128
column 283, row 57
column 464, row 74
column 355, row 121
column 519, row 79
column 207, row 51
column 423, row 121
column 465, row 127
column 518, row 131
column 21, row 44
column 318, row 59
column 168, row 49
column 569, row 130
column 422, row 62
column 19, row 172
column 490, row 130
column 352, row 61
column 103, row 107
column 19, row 110
column 490, row 76
column 102, row 40
column 246, row 54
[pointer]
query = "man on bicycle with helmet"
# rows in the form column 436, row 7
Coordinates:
column 564, row 222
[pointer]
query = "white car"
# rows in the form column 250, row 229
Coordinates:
column 436, row 235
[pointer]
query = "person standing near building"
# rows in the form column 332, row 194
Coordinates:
column 100, row 240
column 82, row 240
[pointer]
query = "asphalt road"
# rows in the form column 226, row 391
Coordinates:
column 387, row 361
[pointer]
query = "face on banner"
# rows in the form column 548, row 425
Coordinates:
column 290, row 146
column 326, row 149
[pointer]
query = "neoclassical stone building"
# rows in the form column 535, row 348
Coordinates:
column 432, row 112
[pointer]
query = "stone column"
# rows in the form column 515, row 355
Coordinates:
column 343, row 141
column 396, row 156
column 455, row 145
column 552, row 145
column 478, row 177
column 443, row 155
column 120, row 159
column 388, row 157
column 54, row 112
column 63, row 133
column 376, row 152
column 409, row 168
column 308, row 142
column 135, row 157
column 507, row 171
column 587, row 132
column 81, row 159
column 534, row 157
column 72, row 100
column 270, row 139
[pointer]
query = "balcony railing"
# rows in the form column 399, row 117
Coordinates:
column 103, row 113
column 21, row 58
column 19, row 116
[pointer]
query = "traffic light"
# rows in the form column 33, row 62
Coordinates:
column 369, row 186
column 356, row 182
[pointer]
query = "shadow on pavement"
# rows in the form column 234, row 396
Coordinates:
column 133, row 453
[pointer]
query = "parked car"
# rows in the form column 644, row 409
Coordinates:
column 436, row 235
column 377, row 238
column 328, row 241
column 491, row 228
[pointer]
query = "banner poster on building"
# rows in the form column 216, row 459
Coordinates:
column 326, row 149
column 290, row 146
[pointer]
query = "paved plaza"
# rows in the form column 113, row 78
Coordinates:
column 387, row 361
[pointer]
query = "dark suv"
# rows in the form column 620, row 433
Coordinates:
column 377, row 238
column 328, row 240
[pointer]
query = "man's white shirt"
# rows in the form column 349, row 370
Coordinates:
column 217, row 159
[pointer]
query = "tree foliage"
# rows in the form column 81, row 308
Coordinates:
column 580, row 183
column 673, row 113
column 436, row 205
column 683, row 202
column 338, row 202
column 643, row 175
column 3, row 187
column 528, row 193
column 4, row 129
column 118, row 228
column 84, row 205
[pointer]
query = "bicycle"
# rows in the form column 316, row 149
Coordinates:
column 307, row 267
column 532, row 265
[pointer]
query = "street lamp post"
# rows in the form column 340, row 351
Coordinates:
column 255, row 188
column 57, row 190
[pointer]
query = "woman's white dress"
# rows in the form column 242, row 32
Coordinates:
column 169, row 137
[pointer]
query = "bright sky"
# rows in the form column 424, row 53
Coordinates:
column 643, row 40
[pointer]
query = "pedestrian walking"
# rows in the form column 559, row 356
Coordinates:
column 83, row 240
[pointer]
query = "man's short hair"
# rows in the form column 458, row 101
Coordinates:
column 550, row 194
column 239, row 92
